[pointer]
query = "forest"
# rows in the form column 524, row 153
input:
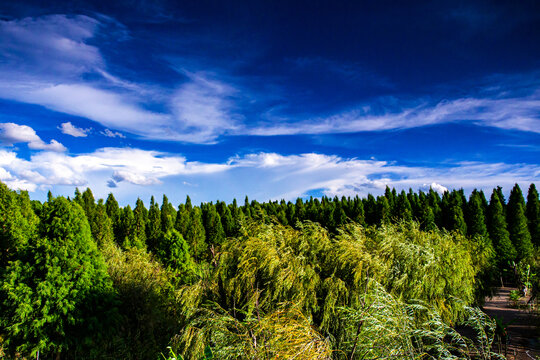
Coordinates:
column 399, row 276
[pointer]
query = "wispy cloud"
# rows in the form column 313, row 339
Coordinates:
column 512, row 113
column 112, row 134
column 69, row 129
column 11, row 133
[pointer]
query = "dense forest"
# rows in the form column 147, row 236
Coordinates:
column 380, row 277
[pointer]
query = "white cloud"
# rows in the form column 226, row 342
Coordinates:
column 261, row 176
column 11, row 133
column 70, row 129
column 435, row 187
column 112, row 134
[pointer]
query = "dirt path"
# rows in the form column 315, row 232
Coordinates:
column 522, row 326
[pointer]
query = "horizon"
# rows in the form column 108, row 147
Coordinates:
column 270, row 101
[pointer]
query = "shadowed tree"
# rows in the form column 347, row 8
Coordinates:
column 517, row 224
column 533, row 215
column 506, row 252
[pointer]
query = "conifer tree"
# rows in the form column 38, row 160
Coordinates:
column 168, row 215
column 226, row 218
column 426, row 217
column 533, row 215
column 195, row 235
column 88, row 203
column 403, row 210
column 517, row 224
column 17, row 224
column 182, row 220
column 506, row 252
column 370, row 209
column 212, row 225
column 57, row 297
column 153, row 226
column 127, row 225
column 476, row 224
column 384, row 210
column 140, row 214
column 113, row 212
column 101, row 226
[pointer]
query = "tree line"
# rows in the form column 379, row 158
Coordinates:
column 82, row 278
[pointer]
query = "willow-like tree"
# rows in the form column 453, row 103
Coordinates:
column 517, row 224
column 533, row 215
column 57, row 297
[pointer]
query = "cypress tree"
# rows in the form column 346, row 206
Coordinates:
column 58, row 297
column 370, row 208
column 517, row 224
column 533, row 215
column 88, row 203
column 403, row 207
column 168, row 215
column 196, row 235
column 140, row 215
column 101, row 226
column 426, row 218
column 113, row 212
column 212, row 225
column 506, row 252
column 476, row 224
column 153, row 226
column 383, row 209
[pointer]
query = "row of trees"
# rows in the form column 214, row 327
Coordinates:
column 87, row 279
column 513, row 226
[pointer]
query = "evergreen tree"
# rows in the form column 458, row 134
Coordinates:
column 517, row 224
column 506, row 252
column 212, row 225
column 533, row 215
column 101, row 226
column 17, row 224
column 88, row 203
column 174, row 254
column 426, row 217
column 113, row 212
column 370, row 208
column 476, row 224
column 140, row 215
column 384, row 210
column 168, row 215
column 127, row 226
column 226, row 218
column 57, row 297
column 153, row 226
column 182, row 223
column 196, row 234
column 403, row 209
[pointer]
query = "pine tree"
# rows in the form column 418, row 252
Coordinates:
column 88, row 203
column 517, row 224
column 174, row 254
column 506, row 252
column 384, row 210
column 127, row 226
column 182, row 223
column 533, row 215
column 426, row 217
column 370, row 208
column 58, row 297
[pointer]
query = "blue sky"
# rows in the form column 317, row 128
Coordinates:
column 272, row 100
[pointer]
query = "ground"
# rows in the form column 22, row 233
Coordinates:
column 521, row 324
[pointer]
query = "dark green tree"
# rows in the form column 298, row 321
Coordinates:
column 153, row 226
column 517, row 224
column 195, row 235
column 140, row 215
column 212, row 225
column 101, row 226
column 533, row 215
column 476, row 224
column 168, row 215
column 506, row 252
column 57, row 297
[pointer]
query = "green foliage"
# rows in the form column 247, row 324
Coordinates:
column 146, row 303
column 57, row 296
column 506, row 252
column 517, row 224
column 533, row 215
